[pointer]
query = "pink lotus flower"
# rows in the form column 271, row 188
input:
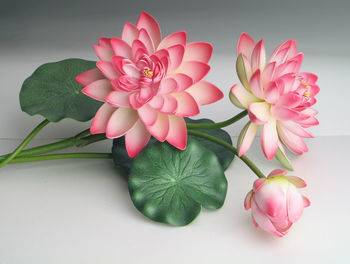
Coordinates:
column 277, row 96
column 148, row 85
column 276, row 203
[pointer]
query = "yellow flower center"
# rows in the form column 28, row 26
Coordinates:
column 148, row 72
column 305, row 84
column 307, row 94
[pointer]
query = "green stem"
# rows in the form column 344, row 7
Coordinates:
column 24, row 143
column 223, row 143
column 220, row 124
column 63, row 156
column 78, row 140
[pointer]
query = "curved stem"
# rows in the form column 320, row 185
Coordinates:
column 223, row 143
column 78, row 140
column 24, row 143
column 220, row 124
column 63, row 156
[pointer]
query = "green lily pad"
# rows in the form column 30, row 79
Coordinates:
column 225, row 156
column 51, row 91
column 171, row 186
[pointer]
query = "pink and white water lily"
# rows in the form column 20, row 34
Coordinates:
column 148, row 84
column 276, row 94
column 276, row 203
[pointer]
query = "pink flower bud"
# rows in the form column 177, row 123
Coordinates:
column 276, row 202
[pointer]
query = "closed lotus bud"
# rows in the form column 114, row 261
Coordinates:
column 276, row 203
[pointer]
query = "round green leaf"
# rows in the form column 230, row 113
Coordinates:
column 170, row 186
column 225, row 156
column 51, row 91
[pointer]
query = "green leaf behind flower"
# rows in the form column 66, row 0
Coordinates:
column 51, row 91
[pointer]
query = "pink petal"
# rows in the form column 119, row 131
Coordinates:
column 130, row 33
column 104, row 49
column 104, row 42
column 89, row 76
column 308, row 77
column 151, row 26
column 310, row 111
column 173, row 39
column 186, row 105
column 247, row 200
column 245, row 45
column 296, row 129
column 118, row 99
column 246, row 138
column 292, row 141
column 160, row 128
column 101, row 119
column 148, row 115
column 170, row 104
column 136, row 139
column 182, row 80
column 121, row 121
column 271, row 200
column 138, row 49
column 263, row 221
column 167, row 86
column 176, row 54
column 198, row 51
column 243, row 97
column 291, row 66
column 290, row 100
column 131, row 70
column 284, row 52
column 103, row 53
column 157, row 102
column 121, row 48
column 295, row 204
column 177, row 135
column 277, row 172
column 205, row 92
column 284, row 114
column 258, row 56
column 258, row 184
column 194, row 69
column 125, row 83
column 306, row 201
column 268, row 73
column 269, row 139
column 312, row 121
column 146, row 40
column 272, row 93
column 259, row 112
column 296, row 181
column 256, row 85
column 107, row 69
column 134, row 100
column 98, row 89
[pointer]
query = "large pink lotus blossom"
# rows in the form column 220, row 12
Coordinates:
column 276, row 202
column 277, row 96
column 148, row 84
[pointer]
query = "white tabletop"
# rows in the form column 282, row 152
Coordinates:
column 79, row 211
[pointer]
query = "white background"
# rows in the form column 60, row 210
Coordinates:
column 79, row 211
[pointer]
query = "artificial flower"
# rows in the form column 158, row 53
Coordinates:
column 277, row 95
column 148, row 84
column 276, row 203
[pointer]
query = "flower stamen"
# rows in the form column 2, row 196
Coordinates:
column 148, row 73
